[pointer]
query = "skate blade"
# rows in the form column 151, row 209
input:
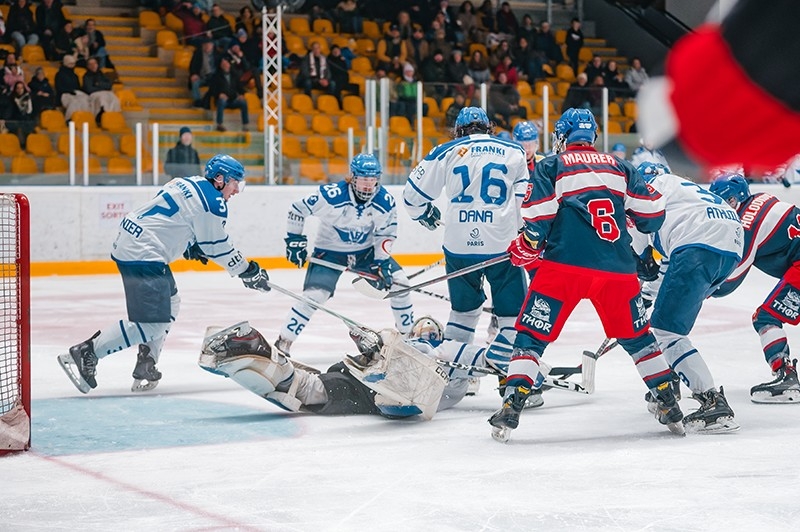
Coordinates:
column 677, row 428
column 721, row 425
column 535, row 401
column 765, row 398
column 501, row 434
column 137, row 385
column 652, row 407
column 67, row 364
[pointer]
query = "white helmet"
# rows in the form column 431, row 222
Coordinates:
column 427, row 328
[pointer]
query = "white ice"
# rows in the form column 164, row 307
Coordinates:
column 201, row 453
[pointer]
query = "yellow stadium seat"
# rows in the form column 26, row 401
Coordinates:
column 348, row 121
column 56, row 165
column 323, row 44
column 253, row 103
column 323, row 125
column 182, row 59
column 127, row 145
column 303, row 104
column 9, row 145
column 447, row 101
column 479, row 47
column 365, row 47
column 328, row 104
column 371, row 29
column 614, row 127
column 81, row 117
column 561, row 36
column 63, row 144
column 173, row 23
column 398, row 151
column 342, row 41
column 353, row 105
column 39, row 145
column 340, row 146
column 128, row 100
column 120, row 165
column 562, row 87
column 33, row 53
column 294, row 45
column 291, row 148
column 524, row 89
column 102, row 145
column 10, row 48
column 630, row 109
column 299, row 25
column 338, row 167
column 272, row 121
column 317, row 146
column 429, row 127
column 114, row 122
column 296, row 124
column 53, row 121
column 434, row 110
column 539, row 109
column 94, row 165
column 614, row 110
column 151, row 20
column 168, row 40
column 312, row 169
column 362, row 65
column 564, row 72
column 323, row 26
column 585, row 55
column 24, row 164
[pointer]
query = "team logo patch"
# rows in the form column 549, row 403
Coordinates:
column 528, row 193
column 462, row 151
column 312, row 200
column 787, row 303
column 539, row 314
column 638, row 313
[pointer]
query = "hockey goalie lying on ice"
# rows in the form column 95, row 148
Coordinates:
column 390, row 376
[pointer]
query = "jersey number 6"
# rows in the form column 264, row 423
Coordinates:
column 602, row 211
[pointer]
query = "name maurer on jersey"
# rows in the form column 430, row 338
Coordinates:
column 588, row 158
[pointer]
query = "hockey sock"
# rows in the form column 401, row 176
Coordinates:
column 301, row 313
column 685, row 360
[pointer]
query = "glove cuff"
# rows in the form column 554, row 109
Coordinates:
column 252, row 269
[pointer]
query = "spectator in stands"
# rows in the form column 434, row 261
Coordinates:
column 3, row 37
column 449, row 20
column 219, row 28
column 595, row 68
column 23, row 121
column 201, row 68
column 20, row 25
column 437, row 38
column 68, row 88
column 251, row 48
column 404, row 25
column 228, row 93
column 417, row 47
column 451, row 113
column 615, row 81
column 507, row 67
column 182, row 159
column 194, row 27
column 339, row 72
column 528, row 61
column 469, row 23
column 574, row 43
column 349, row 15
column 406, row 89
column 546, row 43
column 458, row 74
column 596, row 94
column 314, row 72
column 479, row 68
column 434, row 74
column 504, row 102
column 98, row 86
column 636, row 75
column 82, row 52
column 507, row 22
column 391, row 49
column 43, row 94
column 97, row 44
column 527, row 30
column 496, row 56
column 578, row 94
column 486, row 16
column 247, row 21
column 12, row 73
column 64, row 41
column 49, row 19
column 419, row 10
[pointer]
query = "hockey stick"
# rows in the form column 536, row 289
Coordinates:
column 341, row 268
column 353, row 324
column 566, row 371
column 427, row 268
column 561, row 384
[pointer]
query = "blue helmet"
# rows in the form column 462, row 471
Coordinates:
column 525, row 132
column 365, row 165
column 472, row 120
column 575, row 125
column 226, row 166
column 505, row 135
column 650, row 170
column 731, row 185
column 618, row 147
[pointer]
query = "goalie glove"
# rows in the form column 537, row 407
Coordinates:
column 255, row 277
column 646, row 266
column 522, row 251
column 369, row 344
column 430, row 220
column 383, row 270
column 194, row 252
column 296, row 252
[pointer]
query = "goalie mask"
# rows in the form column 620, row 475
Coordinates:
column 365, row 173
column 428, row 329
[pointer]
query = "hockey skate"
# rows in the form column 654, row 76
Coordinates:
column 714, row 415
column 667, row 410
column 145, row 374
column 507, row 418
column 80, row 365
column 783, row 389
column 652, row 406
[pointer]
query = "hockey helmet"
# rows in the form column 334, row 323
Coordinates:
column 731, row 186
column 525, row 132
column 427, row 328
column 225, row 166
column 365, row 172
column 619, row 148
column 650, row 170
column 472, row 120
column 575, row 125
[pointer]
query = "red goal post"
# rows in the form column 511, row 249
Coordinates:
column 15, row 369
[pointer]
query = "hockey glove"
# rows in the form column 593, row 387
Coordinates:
column 194, row 252
column 296, row 249
column 255, row 277
column 646, row 266
column 430, row 220
column 383, row 269
column 522, row 252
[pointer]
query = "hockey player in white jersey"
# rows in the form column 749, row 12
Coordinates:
column 701, row 241
column 357, row 230
column 484, row 180
column 402, row 378
column 187, row 217
column 646, row 153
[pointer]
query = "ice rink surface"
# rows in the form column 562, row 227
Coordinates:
column 201, row 453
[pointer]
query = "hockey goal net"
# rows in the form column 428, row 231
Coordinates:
column 15, row 382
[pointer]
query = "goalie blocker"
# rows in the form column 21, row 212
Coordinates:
column 400, row 381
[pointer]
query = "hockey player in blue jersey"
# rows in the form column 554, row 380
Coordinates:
column 358, row 229
column 575, row 225
column 484, row 180
column 771, row 244
column 187, row 217
column 701, row 243
column 527, row 135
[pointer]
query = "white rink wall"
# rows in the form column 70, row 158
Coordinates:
column 76, row 224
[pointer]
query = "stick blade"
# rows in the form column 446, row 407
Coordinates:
column 364, row 288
